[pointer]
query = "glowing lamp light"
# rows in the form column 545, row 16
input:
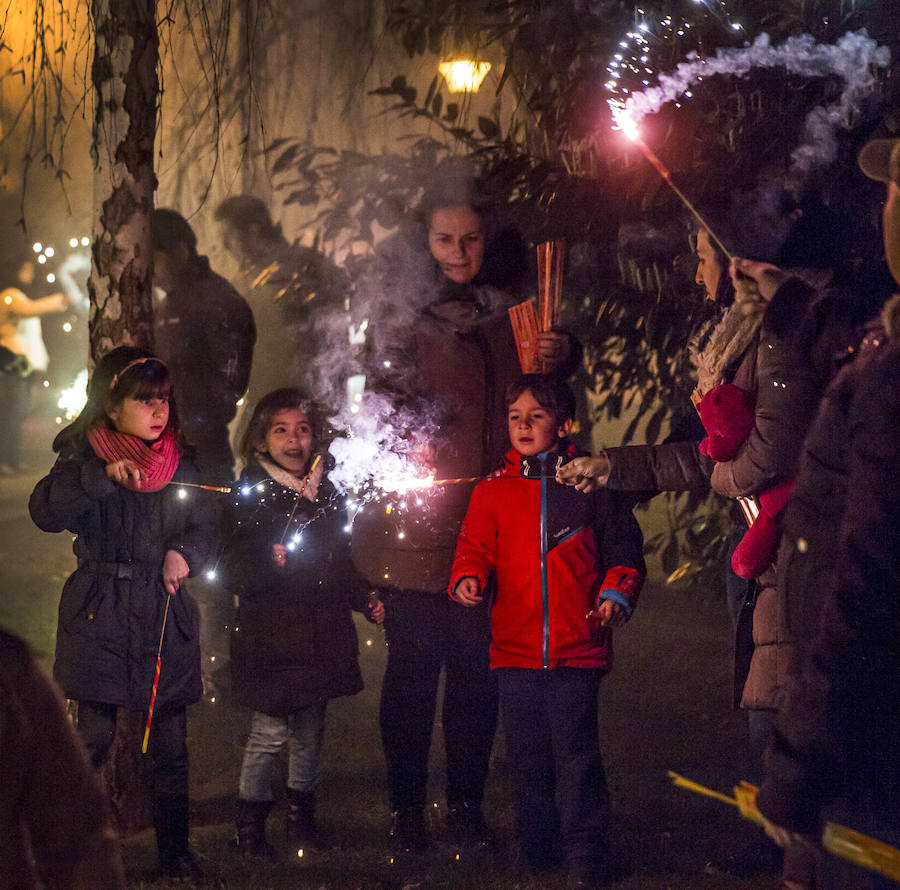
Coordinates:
column 49, row 251
column 37, row 247
column 85, row 241
column 73, row 242
column 67, row 327
column 464, row 75
column 51, row 277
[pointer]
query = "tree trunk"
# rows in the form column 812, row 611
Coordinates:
column 126, row 91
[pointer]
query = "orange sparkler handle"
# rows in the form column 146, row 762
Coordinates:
column 162, row 634
column 221, row 488
column 300, row 495
column 152, row 703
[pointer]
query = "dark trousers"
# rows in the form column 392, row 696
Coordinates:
column 426, row 632
column 553, row 754
column 168, row 777
column 167, row 746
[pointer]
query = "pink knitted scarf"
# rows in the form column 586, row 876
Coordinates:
column 157, row 461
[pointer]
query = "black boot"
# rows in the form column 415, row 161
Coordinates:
column 250, row 833
column 170, row 819
column 300, row 824
column 408, row 832
column 466, row 827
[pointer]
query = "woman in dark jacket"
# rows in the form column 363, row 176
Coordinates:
column 443, row 360
column 138, row 536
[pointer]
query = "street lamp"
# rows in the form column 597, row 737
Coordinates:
column 464, row 75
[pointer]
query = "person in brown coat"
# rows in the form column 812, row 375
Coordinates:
column 56, row 829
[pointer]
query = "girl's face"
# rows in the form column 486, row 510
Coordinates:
column 708, row 269
column 533, row 428
column 144, row 418
column 289, row 440
column 456, row 240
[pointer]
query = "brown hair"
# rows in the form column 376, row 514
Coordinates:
column 266, row 408
column 549, row 392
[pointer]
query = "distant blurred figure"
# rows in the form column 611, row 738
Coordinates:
column 204, row 332
column 290, row 289
column 19, row 358
column 55, row 827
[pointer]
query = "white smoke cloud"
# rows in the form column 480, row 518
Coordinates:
column 853, row 58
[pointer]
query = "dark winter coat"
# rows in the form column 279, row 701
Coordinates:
column 453, row 372
column 55, row 825
column 838, row 731
column 785, row 375
column 552, row 550
column 294, row 641
column 111, row 610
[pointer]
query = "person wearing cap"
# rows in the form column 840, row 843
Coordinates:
column 835, row 754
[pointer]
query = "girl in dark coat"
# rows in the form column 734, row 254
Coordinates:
column 294, row 644
column 114, row 485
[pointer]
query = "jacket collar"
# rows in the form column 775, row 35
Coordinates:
column 539, row 465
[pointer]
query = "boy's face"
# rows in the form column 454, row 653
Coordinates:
column 532, row 428
column 289, row 440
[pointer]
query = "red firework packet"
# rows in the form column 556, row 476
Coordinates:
column 525, row 331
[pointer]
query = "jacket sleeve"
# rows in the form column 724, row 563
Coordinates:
column 620, row 557
column 198, row 539
column 476, row 546
column 842, row 713
column 788, row 393
column 69, row 492
column 672, row 466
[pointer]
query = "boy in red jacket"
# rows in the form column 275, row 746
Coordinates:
column 568, row 568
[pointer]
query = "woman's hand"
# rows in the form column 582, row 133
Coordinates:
column 753, row 280
column 585, row 473
column 175, row 569
column 123, row 470
column 553, row 348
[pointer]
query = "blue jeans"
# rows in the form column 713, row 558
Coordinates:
column 302, row 731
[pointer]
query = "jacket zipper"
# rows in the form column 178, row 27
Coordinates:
column 545, row 589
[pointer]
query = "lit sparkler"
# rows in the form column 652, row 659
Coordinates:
column 630, row 129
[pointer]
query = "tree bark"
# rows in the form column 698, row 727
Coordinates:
column 126, row 92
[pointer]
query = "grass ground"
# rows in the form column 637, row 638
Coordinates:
column 665, row 706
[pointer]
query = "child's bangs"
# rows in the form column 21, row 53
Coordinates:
column 150, row 380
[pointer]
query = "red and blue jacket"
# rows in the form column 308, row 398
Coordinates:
column 554, row 552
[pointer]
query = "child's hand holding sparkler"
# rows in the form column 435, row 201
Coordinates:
column 279, row 554
column 122, row 470
column 175, row 569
